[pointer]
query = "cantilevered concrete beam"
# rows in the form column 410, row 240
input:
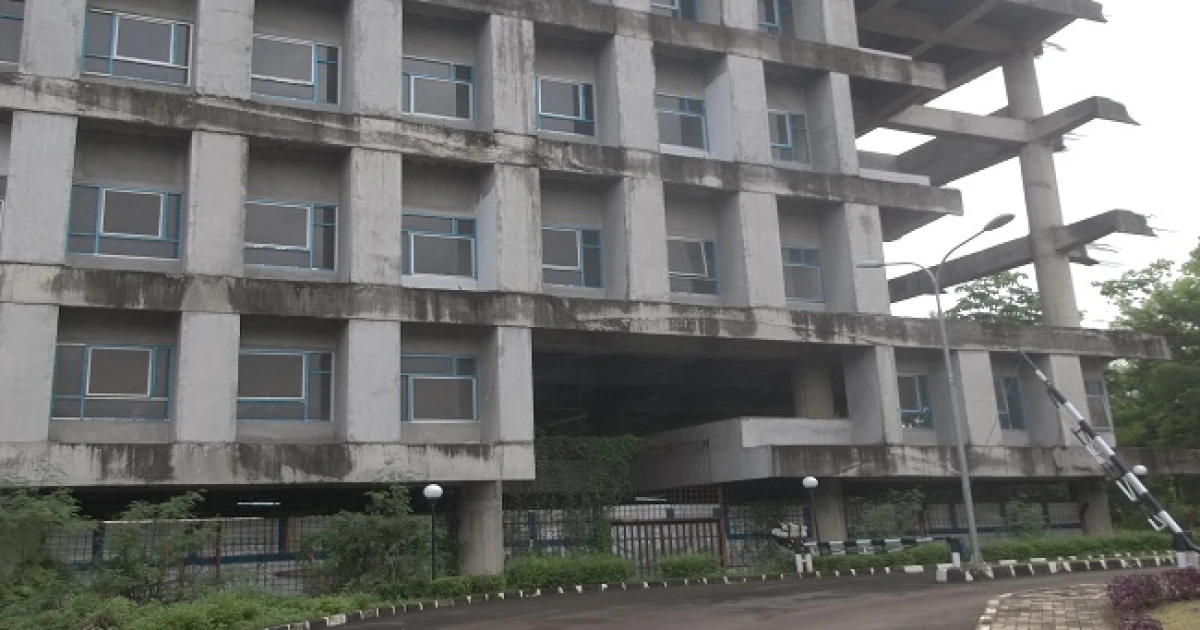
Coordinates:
column 924, row 27
column 1018, row 252
column 1077, row 9
column 945, row 123
column 963, row 14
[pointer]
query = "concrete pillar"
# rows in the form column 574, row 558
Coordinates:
column 750, row 262
column 215, row 204
column 813, row 391
column 974, row 371
column 369, row 227
column 739, row 14
column 52, row 38
column 481, row 529
column 736, row 100
column 374, row 36
column 635, row 232
column 507, row 386
column 626, row 74
column 1092, row 497
column 873, row 395
column 224, row 36
column 367, row 377
column 1042, row 204
column 39, row 188
column 851, row 233
column 830, row 510
column 1048, row 426
column 505, row 94
column 509, row 230
column 27, row 336
column 829, row 21
column 206, row 377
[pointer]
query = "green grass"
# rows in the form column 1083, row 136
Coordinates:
column 1180, row 616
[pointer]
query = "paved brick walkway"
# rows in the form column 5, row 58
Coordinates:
column 1072, row 608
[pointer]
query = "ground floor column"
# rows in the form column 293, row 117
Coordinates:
column 481, row 529
column 1092, row 497
column 830, row 508
column 27, row 337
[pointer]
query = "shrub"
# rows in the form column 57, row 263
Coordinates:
column 935, row 553
column 690, row 566
column 548, row 571
column 452, row 586
column 1062, row 546
column 27, row 517
column 486, row 583
column 1132, row 596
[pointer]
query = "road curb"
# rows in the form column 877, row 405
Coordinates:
column 988, row 618
column 1007, row 569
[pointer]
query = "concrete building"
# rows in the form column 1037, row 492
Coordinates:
column 394, row 239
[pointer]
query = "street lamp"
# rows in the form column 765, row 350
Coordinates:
column 1140, row 470
column 432, row 493
column 955, row 395
column 810, row 484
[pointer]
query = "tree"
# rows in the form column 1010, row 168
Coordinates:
column 1003, row 298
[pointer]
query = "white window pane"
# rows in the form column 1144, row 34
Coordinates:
column 437, row 98
column 285, row 226
column 271, row 376
column 1098, row 411
column 561, row 277
column 560, row 98
column 442, row 255
column 443, row 398
column 132, row 213
column 681, row 130
column 686, row 257
column 284, row 60
column 144, row 40
column 1001, row 396
column 560, row 248
column 803, row 283
column 779, row 128
column 119, row 372
column 427, row 68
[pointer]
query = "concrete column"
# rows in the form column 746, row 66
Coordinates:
column 736, row 100
column 481, row 529
column 626, row 74
column 1042, row 204
column 830, row 510
column 206, row 377
column 374, row 36
column 873, row 395
column 507, row 386
column 28, row 333
column 509, row 224
column 829, row 21
column 1048, row 426
column 505, row 95
column 367, row 378
column 1092, row 496
column 224, row 36
column 974, row 372
column 851, row 233
column 749, row 262
column 812, row 391
column 369, row 229
column 39, row 188
column 215, row 204
column 52, row 38
column 739, row 14
column 635, row 232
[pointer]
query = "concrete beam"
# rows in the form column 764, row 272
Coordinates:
column 962, row 15
column 946, row 123
column 926, row 27
column 1017, row 253
column 1078, row 9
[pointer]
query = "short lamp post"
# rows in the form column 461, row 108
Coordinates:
column 956, row 404
column 810, row 484
column 432, row 493
column 1140, row 470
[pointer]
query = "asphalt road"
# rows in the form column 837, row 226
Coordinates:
column 884, row 602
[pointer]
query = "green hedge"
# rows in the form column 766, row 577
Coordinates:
column 1054, row 547
column 549, row 571
column 690, row 566
column 486, row 583
column 934, row 553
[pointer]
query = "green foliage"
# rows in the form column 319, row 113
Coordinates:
column 1023, row 519
column 385, row 552
column 450, row 587
column 1003, row 298
column 935, row 553
column 27, row 518
column 1063, row 546
column 595, row 469
column 486, row 583
column 897, row 513
column 690, row 566
column 535, row 571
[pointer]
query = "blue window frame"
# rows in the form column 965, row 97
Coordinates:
column 678, row 9
column 12, row 19
column 566, row 106
column 130, row 222
column 137, row 47
column 439, row 388
column 439, row 245
column 692, row 266
column 789, row 137
column 771, row 14
column 112, row 381
column 802, row 276
column 438, row 88
column 682, row 121
column 1009, row 405
column 916, row 412
column 285, row 385
column 1099, row 411
column 290, row 234
column 572, row 257
column 295, row 69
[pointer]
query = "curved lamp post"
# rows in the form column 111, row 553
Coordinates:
column 432, row 493
column 810, row 484
column 955, row 395
column 1140, row 470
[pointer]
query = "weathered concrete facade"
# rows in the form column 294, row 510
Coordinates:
column 333, row 241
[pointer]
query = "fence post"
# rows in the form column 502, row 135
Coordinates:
column 722, row 528
column 98, row 546
column 217, row 555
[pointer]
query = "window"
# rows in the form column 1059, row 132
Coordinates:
column 692, row 266
column 1098, row 410
column 288, row 234
column 285, row 385
column 439, row 245
column 789, row 137
column 295, row 69
column 572, row 257
column 681, row 121
column 439, row 388
column 915, row 411
column 3, row 193
column 111, row 382
column 802, row 274
column 566, row 107
column 136, row 47
column 124, row 222
column 438, row 88
column 680, row 9
column 12, row 14
column 1009, row 404
column 770, row 15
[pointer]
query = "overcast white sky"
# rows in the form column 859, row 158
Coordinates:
column 1143, row 57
